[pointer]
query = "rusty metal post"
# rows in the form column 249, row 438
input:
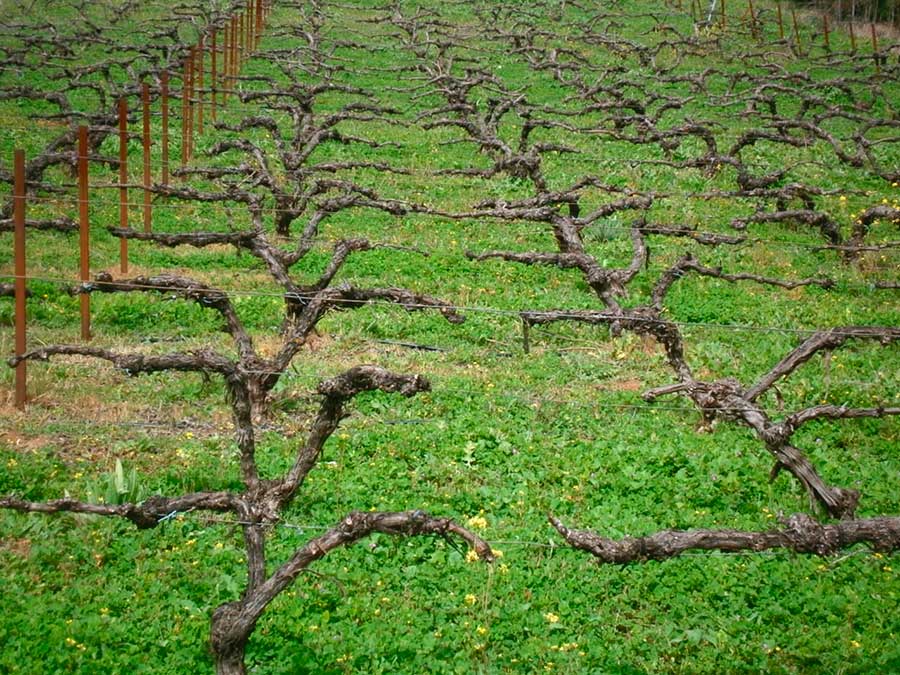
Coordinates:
column 229, row 70
column 242, row 37
column 852, row 38
column 84, row 237
column 251, row 34
column 259, row 22
column 164, row 95
column 825, row 32
column 184, row 116
column 235, row 66
column 123, row 182
column 796, row 32
column 213, row 84
column 724, row 20
column 201, row 52
column 875, row 49
column 145, row 101
column 20, row 270
column 752, row 20
column 226, row 60
column 248, row 31
column 190, row 102
column 780, row 22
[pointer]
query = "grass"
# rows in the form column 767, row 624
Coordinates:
column 502, row 439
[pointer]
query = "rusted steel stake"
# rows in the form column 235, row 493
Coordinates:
column 251, row 23
column 213, row 83
column 184, row 116
column 259, row 21
column 190, row 103
column 875, row 49
column 233, row 71
column 20, row 270
column 201, row 52
column 825, row 32
column 235, row 56
column 164, row 95
column 84, row 237
column 226, row 60
column 780, row 22
column 752, row 20
column 796, row 32
column 248, row 31
column 242, row 37
column 123, row 182
column 723, row 17
column 852, row 38
column 145, row 101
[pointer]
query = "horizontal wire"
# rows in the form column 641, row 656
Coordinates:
column 502, row 541
column 291, row 375
column 522, row 223
column 573, row 314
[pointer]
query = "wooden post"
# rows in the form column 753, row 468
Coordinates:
column 213, row 83
column 723, row 18
column 852, row 38
column 21, row 271
column 780, row 23
column 84, row 238
column 123, row 182
column 825, row 32
column 201, row 51
column 145, row 100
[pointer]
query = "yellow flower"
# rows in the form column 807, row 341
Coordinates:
column 477, row 522
column 855, row 644
column 842, row 198
column 472, row 555
column 104, row 611
column 481, row 630
column 551, row 617
column 470, row 599
column 497, row 553
column 71, row 642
